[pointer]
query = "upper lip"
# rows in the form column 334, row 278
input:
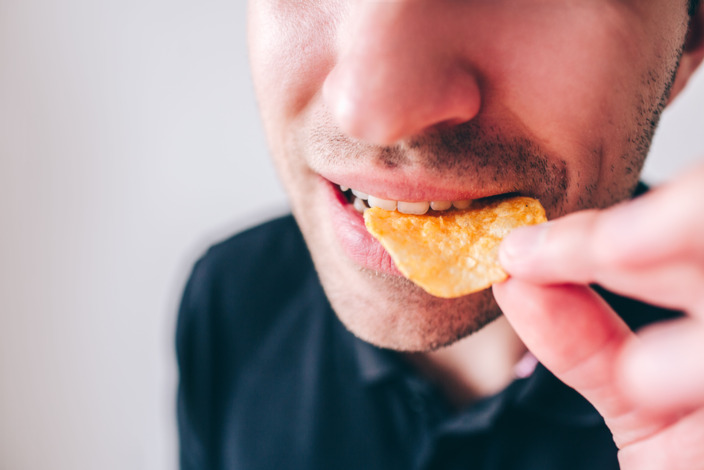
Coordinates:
column 419, row 187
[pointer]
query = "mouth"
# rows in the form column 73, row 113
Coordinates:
column 347, row 205
column 362, row 201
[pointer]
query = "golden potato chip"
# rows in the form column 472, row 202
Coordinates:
column 452, row 253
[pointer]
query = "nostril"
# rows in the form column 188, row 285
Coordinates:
column 391, row 84
column 400, row 70
column 386, row 106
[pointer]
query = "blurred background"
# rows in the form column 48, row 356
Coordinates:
column 129, row 142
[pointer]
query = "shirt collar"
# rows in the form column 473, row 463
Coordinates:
column 375, row 364
column 540, row 393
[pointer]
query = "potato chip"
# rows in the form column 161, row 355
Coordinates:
column 452, row 253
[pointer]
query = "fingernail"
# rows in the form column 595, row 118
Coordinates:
column 522, row 244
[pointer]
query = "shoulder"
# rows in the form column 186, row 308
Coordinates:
column 239, row 285
column 242, row 292
column 255, row 251
column 247, row 267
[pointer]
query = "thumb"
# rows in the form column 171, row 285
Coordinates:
column 579, row 338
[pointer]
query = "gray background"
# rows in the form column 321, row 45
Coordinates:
column 129, row 141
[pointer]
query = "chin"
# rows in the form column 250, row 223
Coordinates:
column 391, row 312
column 383, row 308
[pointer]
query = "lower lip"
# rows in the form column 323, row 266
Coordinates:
column 357, row 243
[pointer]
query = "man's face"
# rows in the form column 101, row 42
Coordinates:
column 443, row 100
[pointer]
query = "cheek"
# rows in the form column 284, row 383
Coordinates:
column 586, row 88
column 574, row 82
column 291, row 53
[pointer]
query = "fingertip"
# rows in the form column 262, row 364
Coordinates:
column 521, row 247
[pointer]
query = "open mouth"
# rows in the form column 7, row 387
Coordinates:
column 362, row 201
column 348, row 204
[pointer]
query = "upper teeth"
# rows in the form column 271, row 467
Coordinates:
column 364, row 200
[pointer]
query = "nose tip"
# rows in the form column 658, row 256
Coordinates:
column 395, row 79
column 386, row 108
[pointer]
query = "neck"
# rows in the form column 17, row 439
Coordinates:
column 477, row 366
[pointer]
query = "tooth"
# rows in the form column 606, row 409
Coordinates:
column 463, row 204
column 416, row 208
column 385, row 204
column 344, row 188
column 440, row 205
column 360, row 194
column 359, row 205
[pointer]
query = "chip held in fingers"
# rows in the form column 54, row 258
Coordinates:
column 455, row 253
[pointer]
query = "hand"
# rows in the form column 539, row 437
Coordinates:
column 649, row 388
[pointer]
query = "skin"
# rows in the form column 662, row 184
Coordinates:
column 549, row 98
column 552, row 99
column 649, row 388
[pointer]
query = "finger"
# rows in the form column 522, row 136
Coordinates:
column 650, row 248
column 662, row 369
column 663, row 224
column 577, row 336
column 678, row 447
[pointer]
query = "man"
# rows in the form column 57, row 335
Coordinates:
column 416, row 102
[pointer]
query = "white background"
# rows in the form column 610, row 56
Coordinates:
column 129, row 141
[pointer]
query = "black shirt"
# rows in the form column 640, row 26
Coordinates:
column 270, row 379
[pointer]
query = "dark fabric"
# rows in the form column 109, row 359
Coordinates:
column 270, row 379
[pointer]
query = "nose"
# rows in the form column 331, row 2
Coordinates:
column 400, row 71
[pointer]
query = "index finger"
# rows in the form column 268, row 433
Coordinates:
column 650, row 248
